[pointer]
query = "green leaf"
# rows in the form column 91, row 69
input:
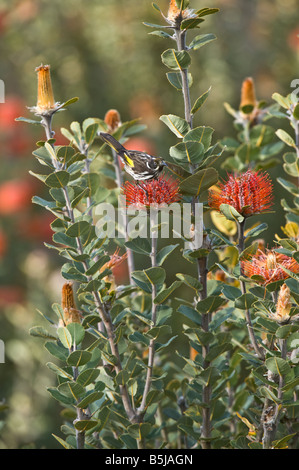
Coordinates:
column 201, row 134
column 200, row 101
column 78, row 229
column 290, row 187
column 199, row 182
column 187, row 152
column 58, row 179
column 88, row 376
column 28, row 121
column 231, row 213
column 164, row 294
column 91, row 133
column 78, row 358
column 77, row 199
column 68, row 102
column 201, row 40
column 296, row 112
column 281, row 100
column 245, row 301
column 285, row 137
column 218, row 350
column 90, row 398
column 190, row 313
column 177, row 125
column 155, row 275
column 255, row 231
column 65, row 337
column 57, row 351
column 139, row 245
column 207, row 11
column 85, row 425
column 190, row 281
column 210, row 304
column 59, row 371
column 41, row 332
column 176, row 60
column 164, row 253
column 77, row 332
column 175, row 79
column 278, row 366
column 60, row 397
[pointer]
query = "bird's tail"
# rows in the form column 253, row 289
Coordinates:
column 112, row 142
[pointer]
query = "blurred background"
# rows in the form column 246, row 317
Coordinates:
column 101, row 52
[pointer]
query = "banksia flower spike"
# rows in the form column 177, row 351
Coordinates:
column 176, row 15
column 249, row 193
column 283, row 306
column 112, row 119
column 46, row 104
column 160, row 191
column 269, row 266
column 70, row 312
column 248, row 97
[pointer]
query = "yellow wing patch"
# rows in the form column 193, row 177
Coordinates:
column 129, row 160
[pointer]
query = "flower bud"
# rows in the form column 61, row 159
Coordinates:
column 283, row 306
column 70, row 312
column 248, row 97
column 45, row 97
column 112, row 119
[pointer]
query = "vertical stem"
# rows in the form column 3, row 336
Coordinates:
column 206, row 392
column 253, row 340
column 119, row 182
column 80, row 435
column 151, row 349
column 272, row 413
column 181, row 45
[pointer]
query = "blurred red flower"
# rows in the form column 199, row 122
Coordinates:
column 9, row 111
column 10, row 294
column 3, row 243
column 36, row 226
column 141, row 144
column 249, row 193
column 15, row 195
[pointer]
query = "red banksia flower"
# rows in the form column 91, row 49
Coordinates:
column 249, row 193
column 269, row 266
column 156, row 191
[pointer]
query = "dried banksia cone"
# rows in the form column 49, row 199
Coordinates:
column 112, row 119
column 70, row 312
column 248, row 97
column 283, row 306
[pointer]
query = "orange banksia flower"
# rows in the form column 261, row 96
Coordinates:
column 112, row 119
column 46, row 104
column 248, row 97
column 70, row 312
column 158, row 191
column 250, row 193
column 175, row 15
column 269, row 266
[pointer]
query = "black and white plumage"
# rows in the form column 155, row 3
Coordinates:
column 140, row 165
